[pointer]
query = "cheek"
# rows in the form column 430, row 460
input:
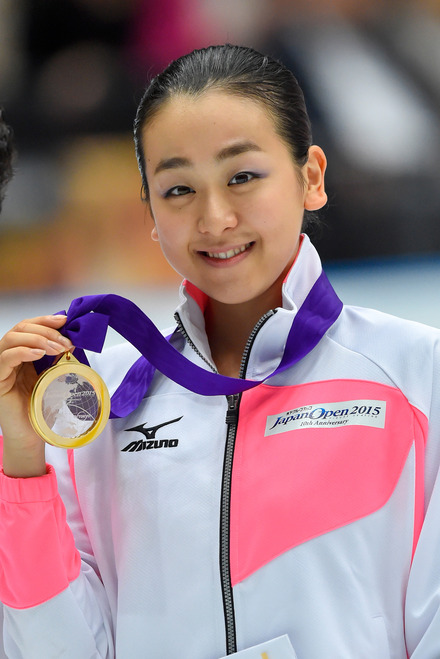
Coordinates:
column 171, row 253
column 164, row 238
column 173, row 242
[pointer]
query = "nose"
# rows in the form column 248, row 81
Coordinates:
column 216, row 214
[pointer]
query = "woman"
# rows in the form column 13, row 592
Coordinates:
column 201, row 525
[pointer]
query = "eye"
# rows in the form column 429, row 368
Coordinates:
column 178, row 191
column 242, row 177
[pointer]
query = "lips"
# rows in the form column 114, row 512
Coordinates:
column 228, row 254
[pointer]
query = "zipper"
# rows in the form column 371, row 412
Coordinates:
column 225, row 505
column 191, row 343
column 251, row 339
column 225, row 572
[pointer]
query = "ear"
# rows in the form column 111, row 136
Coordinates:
column 154, row 234
column 313, row 172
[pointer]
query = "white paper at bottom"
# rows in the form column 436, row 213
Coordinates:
column 277, row 648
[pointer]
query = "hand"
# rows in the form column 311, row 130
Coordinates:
column 23, row 449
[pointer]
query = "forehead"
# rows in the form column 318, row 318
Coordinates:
column 185, row 120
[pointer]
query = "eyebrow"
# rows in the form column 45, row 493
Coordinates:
column 237, row 149
column 172, row 163
column 224, row 154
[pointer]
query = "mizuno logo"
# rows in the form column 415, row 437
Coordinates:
column 150, row 441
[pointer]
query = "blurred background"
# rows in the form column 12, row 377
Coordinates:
column 73, row 71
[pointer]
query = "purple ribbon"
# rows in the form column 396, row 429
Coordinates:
column 87, row 330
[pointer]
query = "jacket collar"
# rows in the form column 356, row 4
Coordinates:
column 269, row 343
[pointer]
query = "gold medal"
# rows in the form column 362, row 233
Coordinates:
column 70, row 404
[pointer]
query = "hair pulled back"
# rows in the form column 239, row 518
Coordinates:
column 237, row 70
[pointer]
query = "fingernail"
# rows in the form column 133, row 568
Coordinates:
column 56, row 346
column 65, row 341
column 57, row 316
column 38, row 352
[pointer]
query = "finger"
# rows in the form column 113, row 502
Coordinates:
column 56, row 320
column 35, row 336
column 12, row 358
column 51, row 346
column 46, row 326
column 41, row 321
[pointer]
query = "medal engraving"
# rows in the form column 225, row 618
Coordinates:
column 70, row 404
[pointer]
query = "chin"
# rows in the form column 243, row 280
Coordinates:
column 240, row 297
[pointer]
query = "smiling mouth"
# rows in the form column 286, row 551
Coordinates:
column 229, row 254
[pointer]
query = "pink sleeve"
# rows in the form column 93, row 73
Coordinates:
column 38, row 558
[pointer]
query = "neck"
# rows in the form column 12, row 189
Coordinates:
column 228, row 327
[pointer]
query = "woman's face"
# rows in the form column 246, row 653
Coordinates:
column 225, row 195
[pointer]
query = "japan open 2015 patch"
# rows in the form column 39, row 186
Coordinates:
column 370, row 413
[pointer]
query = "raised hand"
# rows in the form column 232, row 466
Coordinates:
column 28, row 341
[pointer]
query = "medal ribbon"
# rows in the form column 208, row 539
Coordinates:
column 89, row 317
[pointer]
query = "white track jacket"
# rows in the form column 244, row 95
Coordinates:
column 200, row 526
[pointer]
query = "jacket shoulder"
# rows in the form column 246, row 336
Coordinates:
column 407, row 351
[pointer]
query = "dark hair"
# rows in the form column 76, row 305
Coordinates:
column 6, row 153
column 238, row 70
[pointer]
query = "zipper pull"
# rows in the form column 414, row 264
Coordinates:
column 232, row 413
